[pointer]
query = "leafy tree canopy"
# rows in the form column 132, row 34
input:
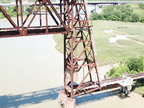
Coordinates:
column 126, row 13
column 130, row 66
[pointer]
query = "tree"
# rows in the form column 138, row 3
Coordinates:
column 135, row 64
column 127, row 13
column 130, row 65
column 135, row 17
column 118, row 71
column 96, row 16
column 141, row 6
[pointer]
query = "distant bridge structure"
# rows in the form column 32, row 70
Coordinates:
column 89, row 3
column 94, row 3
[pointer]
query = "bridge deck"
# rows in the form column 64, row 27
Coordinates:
column 12, row 32
column 119, row 79
column 106, row 84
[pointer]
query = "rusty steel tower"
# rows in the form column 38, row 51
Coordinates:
column 80, row 67
column 79, row 56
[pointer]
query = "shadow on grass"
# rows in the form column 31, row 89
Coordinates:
column 95, row 97
column 15, row 101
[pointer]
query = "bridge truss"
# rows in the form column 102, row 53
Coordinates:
column 72, row 21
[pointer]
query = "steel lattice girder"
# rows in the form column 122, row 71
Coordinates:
column 78, row 45
column 23, row 25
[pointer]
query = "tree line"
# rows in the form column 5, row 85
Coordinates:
column 127, row 13
column 11, row 11
column 129, row 65
column 8, row 1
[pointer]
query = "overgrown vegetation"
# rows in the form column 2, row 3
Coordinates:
column 109, row 53
column 11, row 11
column 138, row 87
column 129, row 65
column 126, row 13
column 8, row 1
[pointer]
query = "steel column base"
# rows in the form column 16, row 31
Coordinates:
column 64, row 101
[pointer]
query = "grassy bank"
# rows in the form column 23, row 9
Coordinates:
column 139, row 87
column 109, row 53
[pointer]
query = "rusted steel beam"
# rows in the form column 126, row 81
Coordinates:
column 59, row 17
column 89, row 88
column 73, row 22
column 31, row 10
column 22, row 26
column 133, row 76
column 80, row 85
column 8, row 18
column 78, row 45
column 31, row 31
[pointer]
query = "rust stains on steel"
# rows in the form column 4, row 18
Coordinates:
column 79, row 55
column 23, row 26
column 78, row 50
column 71, row 20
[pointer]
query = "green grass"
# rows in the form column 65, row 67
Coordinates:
column 138, row 38
column 109, row 53
column 139, row 88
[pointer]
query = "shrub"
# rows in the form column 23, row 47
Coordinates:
column 130, row 65
column 135, row 17
column 141, row 6
column 135, row 64
column 118, row 71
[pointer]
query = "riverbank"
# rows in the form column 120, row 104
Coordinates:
column 108, row 52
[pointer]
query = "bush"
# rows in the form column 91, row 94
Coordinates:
column 118, row 71
column 130, row 65
column 96, row 16
column 135, row 17
column 135, row 64
column 141, row 6
column 141, row 19
column 114, row 18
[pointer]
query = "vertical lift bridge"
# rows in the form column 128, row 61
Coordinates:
column 72, row 21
